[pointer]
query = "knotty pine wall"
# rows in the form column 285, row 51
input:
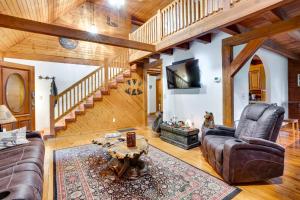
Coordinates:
column 294, row 90
column 128, row 111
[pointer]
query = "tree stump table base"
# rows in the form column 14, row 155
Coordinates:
column 125, row 161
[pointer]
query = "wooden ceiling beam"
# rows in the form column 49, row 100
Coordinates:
column 266, row 31
column 205, row 39
column 154, row 64
column 155, row 56
column 248, row 51
column 168, row 51
column 269, row 44
column 49, row 58
column 279, row 15
column 184, row 46
column 21, row 24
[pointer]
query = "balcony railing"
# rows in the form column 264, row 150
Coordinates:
column 177, row 16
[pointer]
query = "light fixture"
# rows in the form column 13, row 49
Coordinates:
column 93, row 28
column 117, row 3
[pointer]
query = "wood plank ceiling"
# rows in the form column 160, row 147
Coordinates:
column 287, row 44
column 78, row 14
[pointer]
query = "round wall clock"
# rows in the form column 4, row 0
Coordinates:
column 68, row 43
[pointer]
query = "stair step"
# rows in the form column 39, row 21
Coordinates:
column 61, row 125
column 113, row 85
column 70, row 117
column 80, row 110
column 120, row 79
column 104, row 91
column 89, row 103
column 97, row 96
column 127, row 74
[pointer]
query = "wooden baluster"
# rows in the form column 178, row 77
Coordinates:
column 226, row 4
column 63, row 105
column 158, row 26
column 106, row 73
column 70, row 98
column 81, row 91
column 184, row 14
column 193, row 14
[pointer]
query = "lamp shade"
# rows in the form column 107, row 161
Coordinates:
column 6, row 116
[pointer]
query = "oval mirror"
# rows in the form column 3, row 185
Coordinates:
column 15, row 92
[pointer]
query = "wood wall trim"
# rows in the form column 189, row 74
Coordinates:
column 21, row 24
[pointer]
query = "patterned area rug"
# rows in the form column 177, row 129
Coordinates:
column 82, row 173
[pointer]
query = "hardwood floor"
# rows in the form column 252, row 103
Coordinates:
column 285, row 187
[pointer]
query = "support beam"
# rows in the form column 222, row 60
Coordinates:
column 248, row 51
column 184, row 46
column 49, row 58
column 155, row 56
column 205, row 39
column 265, row 31
column 21, row 24
column 228, row 111
column 168, row 52
column 153, row 64
column 269, row 44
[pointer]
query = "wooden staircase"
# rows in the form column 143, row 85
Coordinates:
column 75, row 100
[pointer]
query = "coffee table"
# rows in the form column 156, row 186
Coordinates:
column 125, row 161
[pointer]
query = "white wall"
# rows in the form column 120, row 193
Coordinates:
column 151, row 94
column 65, row 75
column 276, row 69
column 192, row 103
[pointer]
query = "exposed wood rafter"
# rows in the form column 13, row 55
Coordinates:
column 248, row 51
column 55, row 30
column 205, row 39
column 183, row 46
column 266, row 31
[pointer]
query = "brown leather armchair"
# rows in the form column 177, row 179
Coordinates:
column 248, row 153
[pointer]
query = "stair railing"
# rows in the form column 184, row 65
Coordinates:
column 66, row 101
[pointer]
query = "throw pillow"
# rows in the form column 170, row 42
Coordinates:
column 13, row 138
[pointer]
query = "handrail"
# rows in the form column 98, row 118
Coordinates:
column 66, row 101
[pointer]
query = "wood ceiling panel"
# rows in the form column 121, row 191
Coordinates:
column 141, row 9
column 37, row 10
column 48, row 45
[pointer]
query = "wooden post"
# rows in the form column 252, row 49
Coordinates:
column 228, row 106
column 159, row 26
column 52, row 115
column 106, row 74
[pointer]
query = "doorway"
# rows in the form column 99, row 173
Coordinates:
column 154, row 92
column 257, row 81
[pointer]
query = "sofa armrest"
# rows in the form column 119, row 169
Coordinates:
column 216, row 131
column 262, row 142
column 249, row 160
column 225, row 128
column 33, row 134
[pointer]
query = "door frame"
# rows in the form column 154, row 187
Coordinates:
column 155, row 64
column 29, row 68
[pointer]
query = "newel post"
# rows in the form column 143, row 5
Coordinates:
column 52, row 115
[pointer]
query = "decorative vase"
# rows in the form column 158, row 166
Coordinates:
column 131, row 139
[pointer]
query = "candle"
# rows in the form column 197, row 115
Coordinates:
column 131, row 139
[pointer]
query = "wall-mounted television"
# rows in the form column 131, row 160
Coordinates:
column 184, row 74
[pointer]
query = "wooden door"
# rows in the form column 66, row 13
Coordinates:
column 254, row 78
column 17, row 93
column 159, row 100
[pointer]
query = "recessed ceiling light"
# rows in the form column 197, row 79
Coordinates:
column 93, row 29
column 117, row 3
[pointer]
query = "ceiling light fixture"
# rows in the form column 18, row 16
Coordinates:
column 93, row 28
column 117, row 3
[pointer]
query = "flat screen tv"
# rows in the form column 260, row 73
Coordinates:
column 184, row 75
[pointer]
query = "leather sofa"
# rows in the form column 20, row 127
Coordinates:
column 21, row 169
column 248, row 153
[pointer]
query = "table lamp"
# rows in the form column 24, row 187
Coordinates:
column 6, row 116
